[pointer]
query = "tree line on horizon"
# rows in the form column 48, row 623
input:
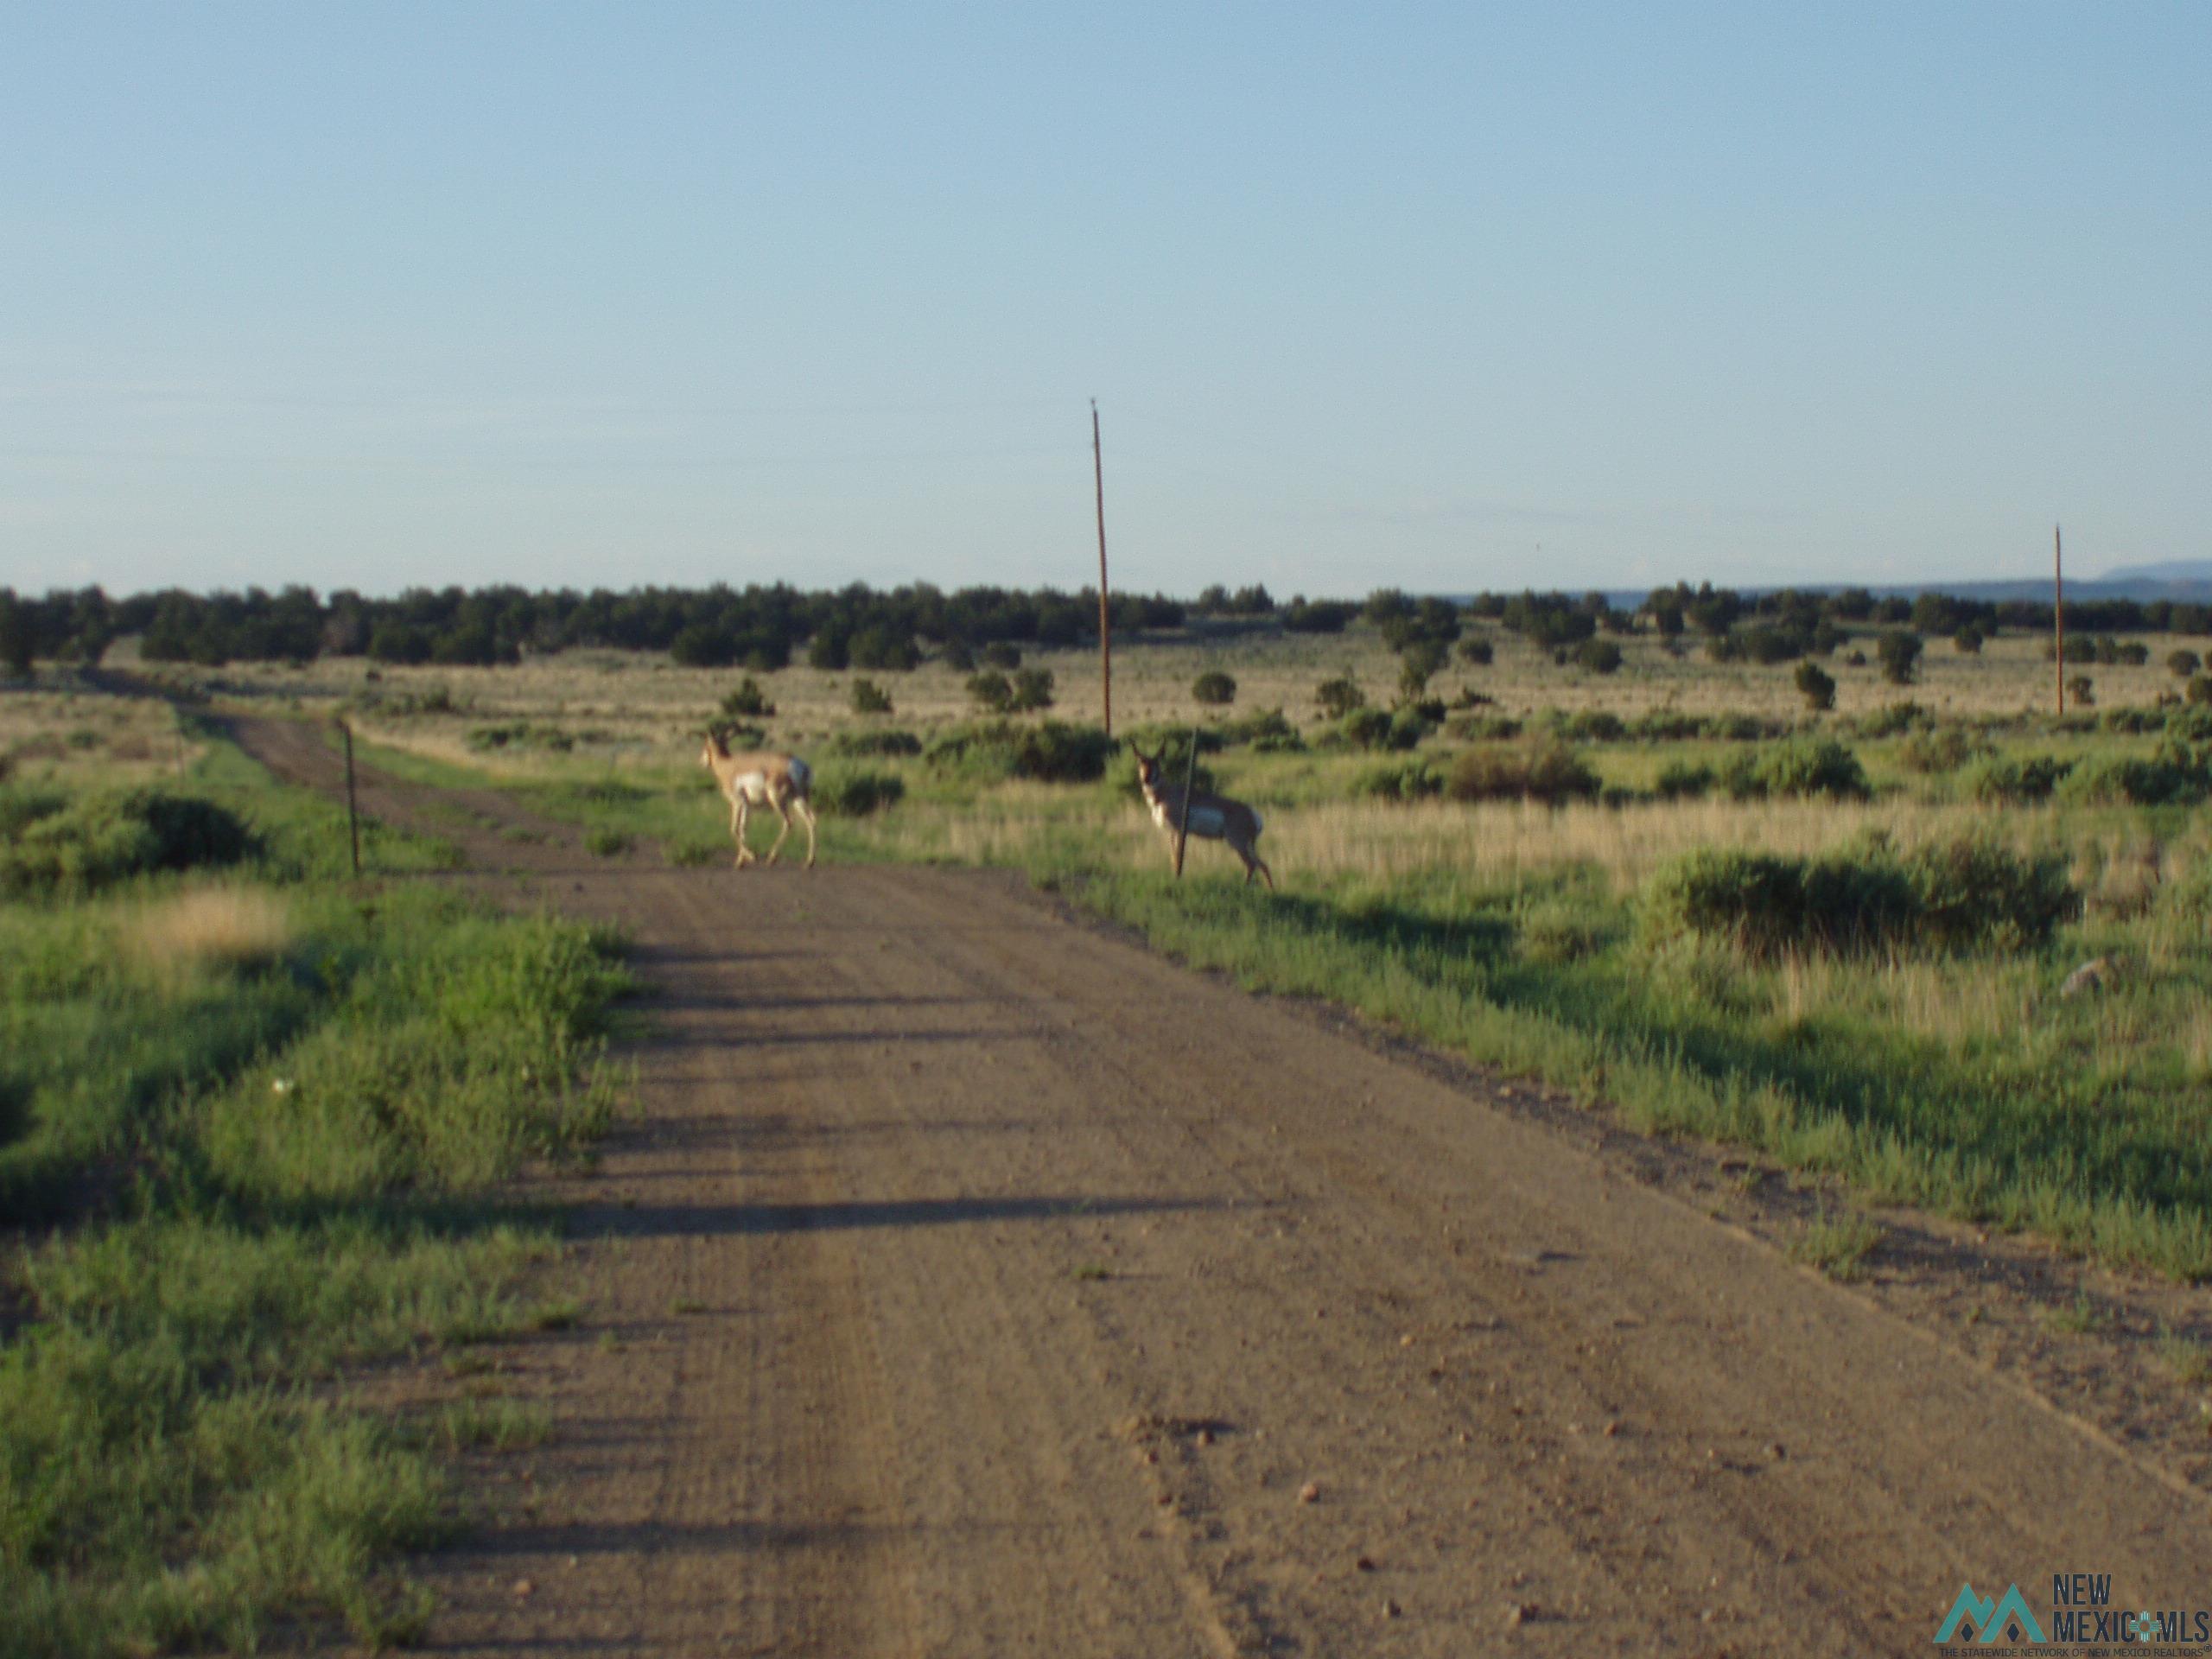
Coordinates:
column 765, row 628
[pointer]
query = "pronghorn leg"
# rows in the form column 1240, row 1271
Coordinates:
column 781, row 833
column 737, row 816
column 1254, row 862
column 805, row 808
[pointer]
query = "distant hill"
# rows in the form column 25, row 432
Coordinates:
column 2191, row 573
column 2186, row 580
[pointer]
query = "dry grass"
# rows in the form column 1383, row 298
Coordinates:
column 68, row 737
column 632, row 707
column 1508, row 839
column 208, row 928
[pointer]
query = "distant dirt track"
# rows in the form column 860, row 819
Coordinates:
column 973, row 1283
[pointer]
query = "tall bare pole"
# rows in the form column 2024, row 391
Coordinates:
column 353, row 806
column 2058, row 612
column 1105, row 615
column 1182, row 817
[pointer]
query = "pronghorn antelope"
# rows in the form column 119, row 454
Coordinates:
column 1212, row 817
column 781, row 781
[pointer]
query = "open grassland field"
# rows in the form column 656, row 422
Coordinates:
column 253, row 1122
column 1843, row 938
column 618, row 698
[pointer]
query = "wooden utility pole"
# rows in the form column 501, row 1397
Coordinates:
column 352, row 807
column 1105, row 614
column 1183, row 818
column 2058, row 612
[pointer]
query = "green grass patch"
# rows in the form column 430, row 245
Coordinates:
column 247, row 1128
column 1837, row 1246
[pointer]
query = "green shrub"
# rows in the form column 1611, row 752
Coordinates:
column 1952, row 896
column 72, row 848
column 1667, row 726
column 1815, row 686
column 1684, row 780
column 1894, row 719
column 1000, row 654
column 1050, row 752
column 748, row 701
column 1755, row 901
column 1410, row 779
column 1055, row 752
column 521, row 733
column 1214, row 689
column 1805, row 765
column 1484, row 728
column 1374, row 728
column 1589, row 726
column 1032, row 690
column 612, row 792
column 2173, row 777
column 1745, row 729
column 1546, row 771
column 1029, row 689
column 869, row 698
column 2005, row 780
column 1943, row 749
column 991, row 691
column 1597, row 657
column 606, row 843
column 2199, row 690
column 888, row 742
column 859, row 794
column 1974, row 893
column 2135, row 722
column 1339, row 697
column 1899, row 652
column 1267, row 730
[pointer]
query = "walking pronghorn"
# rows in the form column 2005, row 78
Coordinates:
column 781, row 781
column 1212, row 817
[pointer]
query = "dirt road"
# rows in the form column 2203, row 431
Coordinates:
column 972, row 1283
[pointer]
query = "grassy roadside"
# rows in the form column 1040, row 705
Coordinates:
column 1959, row 1080
column 249, row 1125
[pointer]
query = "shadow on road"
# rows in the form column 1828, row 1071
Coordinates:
column 709, row 1221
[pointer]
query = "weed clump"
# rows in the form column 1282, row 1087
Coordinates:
column 861, row 741
column 859, row 794
column 1684, row 780
column 520, row 735
column 1050, row 752
column 1805, row 765
column 52, row 845
column 1544, row 771
column 2016, row 781
column 1943, row 749
column 1379, row 729
column 1955, row 896
column 1410, row 779
column 2173, row 777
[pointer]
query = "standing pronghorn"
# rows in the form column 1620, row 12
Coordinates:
column 781, row 781
column 1212, row 817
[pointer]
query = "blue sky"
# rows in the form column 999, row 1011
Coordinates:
column 1444, row 298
